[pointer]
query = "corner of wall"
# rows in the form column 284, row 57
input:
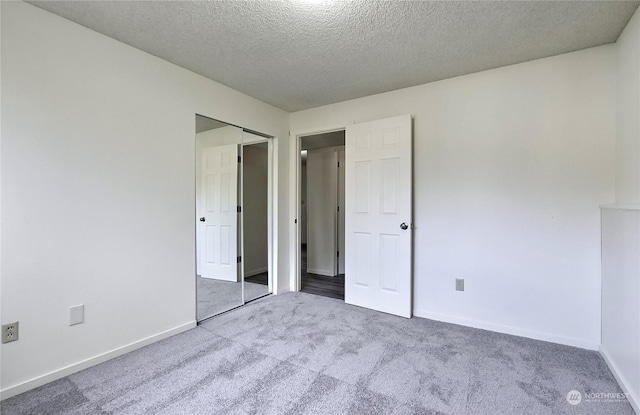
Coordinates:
column 628, row 114
column 634, row 400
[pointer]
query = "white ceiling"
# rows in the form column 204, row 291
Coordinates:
column 206, row 124
column 306, row 53
column 312, row 142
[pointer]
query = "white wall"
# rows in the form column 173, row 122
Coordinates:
column 621, row 226
column 511, row 165
column 98, row 202
column 255, row 179
column 217, row 137
column 628, row 115
column 224, row 135
column 621, row 296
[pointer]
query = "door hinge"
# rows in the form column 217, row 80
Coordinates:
column 338, row 254
column 239, row 159
column 239, row 259
column 295, row 221
column 338, row 208
column 338, row 164
column 239, row 209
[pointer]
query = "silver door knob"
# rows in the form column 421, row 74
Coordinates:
column 202, row 219
column 404, row 226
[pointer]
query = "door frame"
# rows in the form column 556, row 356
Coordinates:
column 295, row 167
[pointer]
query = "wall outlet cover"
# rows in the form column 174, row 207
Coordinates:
column 459, row 284
column 10, row 332
column 76, row 314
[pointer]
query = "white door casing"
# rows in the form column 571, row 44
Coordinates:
column 341, row 211
column 218, row 234
column 378, row 202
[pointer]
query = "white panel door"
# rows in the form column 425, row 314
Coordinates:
column 378, row 215
column 218, row 218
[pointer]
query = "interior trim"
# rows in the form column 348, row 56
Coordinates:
column 103, row 357
column 633, row 400
column 514, row 331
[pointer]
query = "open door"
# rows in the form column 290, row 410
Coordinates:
column 218, row 218
column 378, row 215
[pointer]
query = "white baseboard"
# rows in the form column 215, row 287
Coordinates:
column 233, row 278
column 255, row 272
column 634, row 399
column 531, row 334
column 320, row 272
column 76, row 367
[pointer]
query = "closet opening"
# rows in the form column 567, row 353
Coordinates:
column 233, row 217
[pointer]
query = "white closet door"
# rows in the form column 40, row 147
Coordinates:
column 378, row 215
column 218, row 218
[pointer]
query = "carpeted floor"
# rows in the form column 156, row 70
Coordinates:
column 215, row 296
column 298, row 353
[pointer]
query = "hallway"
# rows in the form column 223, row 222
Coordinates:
column 332, row 287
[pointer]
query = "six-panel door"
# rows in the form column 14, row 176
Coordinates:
column 217, row 239
column 378, row 203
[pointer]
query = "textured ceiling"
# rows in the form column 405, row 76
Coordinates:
column 304, row 53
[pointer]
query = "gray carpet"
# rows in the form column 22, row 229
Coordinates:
column 215, row 296
column 297, row 353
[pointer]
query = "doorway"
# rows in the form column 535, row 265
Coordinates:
column 378, row 212
column 322, row 222
column 233, row 181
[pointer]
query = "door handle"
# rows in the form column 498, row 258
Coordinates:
column 404, row 226
column 202, row 219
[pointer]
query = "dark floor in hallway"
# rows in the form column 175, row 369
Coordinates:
column 332, row 287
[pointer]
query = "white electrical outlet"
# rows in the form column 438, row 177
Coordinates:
column 10, row 332
column 76, row 314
